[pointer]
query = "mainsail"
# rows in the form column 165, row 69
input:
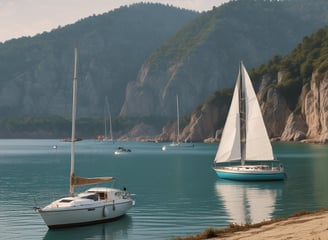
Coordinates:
column 258, row 145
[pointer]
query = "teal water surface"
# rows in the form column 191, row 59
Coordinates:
column 177, row 192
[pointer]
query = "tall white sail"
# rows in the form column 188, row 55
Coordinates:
column 230, row 148
column 258, row 146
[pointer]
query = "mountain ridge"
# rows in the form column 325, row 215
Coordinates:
column 192, row 59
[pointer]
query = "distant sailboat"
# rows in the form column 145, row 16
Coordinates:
column 245, row 139
column 177, row 143
column 95, row 205
column 108, row 113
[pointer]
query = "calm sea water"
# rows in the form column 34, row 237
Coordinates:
column 177, row 192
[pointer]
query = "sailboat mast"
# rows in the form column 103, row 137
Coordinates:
column 110, row 124
column 73, row 124
column 242, row 112
column 105, row 117
column 110, row 119
column 178, row 120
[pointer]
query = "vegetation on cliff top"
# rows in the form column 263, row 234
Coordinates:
column 310, row 56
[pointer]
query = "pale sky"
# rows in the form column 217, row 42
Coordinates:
column 29, row 17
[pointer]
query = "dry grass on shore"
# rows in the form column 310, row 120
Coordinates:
column 234, row 228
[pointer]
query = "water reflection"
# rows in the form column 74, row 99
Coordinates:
column 248, row 202
column 106, row 231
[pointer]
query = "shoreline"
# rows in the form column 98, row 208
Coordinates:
column 302, row 225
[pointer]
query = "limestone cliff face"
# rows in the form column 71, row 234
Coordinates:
column 209, row 115
column 315, row 108
column 295, row 129
column 273, row 105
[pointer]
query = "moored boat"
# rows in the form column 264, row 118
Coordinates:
column 122, row 150
column 245, row 151
column 96, row 205
column 92, row 206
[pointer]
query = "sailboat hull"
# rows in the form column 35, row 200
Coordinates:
column 251, row 173
column 84, row 215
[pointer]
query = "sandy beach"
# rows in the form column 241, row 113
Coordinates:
column 302, row 225
column 312, row 226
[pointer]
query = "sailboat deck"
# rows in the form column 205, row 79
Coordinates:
column 251, row 172
column 252, row 168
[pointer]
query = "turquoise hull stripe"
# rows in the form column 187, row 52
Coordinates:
column 251, row 176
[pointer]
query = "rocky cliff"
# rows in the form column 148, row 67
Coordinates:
column 315, row 108
column 308, row 124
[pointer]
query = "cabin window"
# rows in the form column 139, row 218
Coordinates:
column 102, row 195
column 92, row 197
column 66, row 200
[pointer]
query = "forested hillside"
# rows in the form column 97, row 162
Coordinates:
column 36, row 72
column 203, row 56
column 141, row 57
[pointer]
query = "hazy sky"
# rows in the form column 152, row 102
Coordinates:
column 28, row 17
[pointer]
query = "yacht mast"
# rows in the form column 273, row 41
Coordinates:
column 73, row 124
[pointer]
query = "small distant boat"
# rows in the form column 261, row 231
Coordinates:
column 122, row 150
column 177, row 145
column 245, row 151
column 95, row 205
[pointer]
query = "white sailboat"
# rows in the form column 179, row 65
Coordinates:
column 245, row 152
column 107, row 115
column 99, row 204
column 178, row 143
column 107, row 111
